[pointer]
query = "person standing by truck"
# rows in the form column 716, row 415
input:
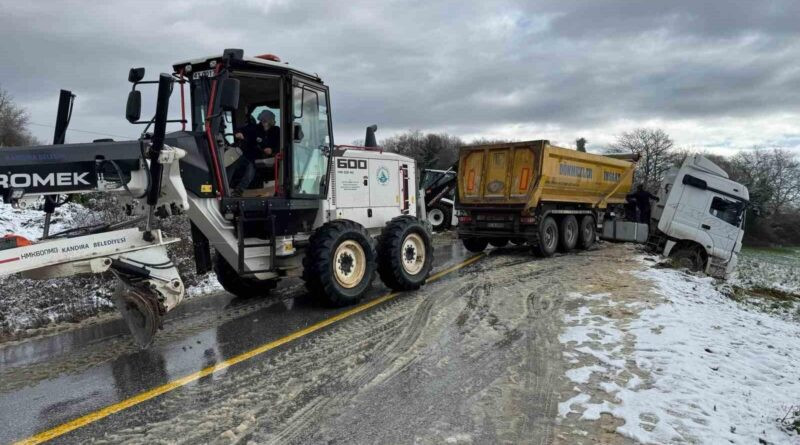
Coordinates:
column 642, row 199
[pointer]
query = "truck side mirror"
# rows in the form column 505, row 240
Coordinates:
column 297, row 132
column 230, row 95
column 133, row 109
column 135, row 75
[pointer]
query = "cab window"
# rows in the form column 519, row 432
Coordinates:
column 726, row 210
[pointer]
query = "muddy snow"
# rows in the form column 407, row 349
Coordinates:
column 604, row 346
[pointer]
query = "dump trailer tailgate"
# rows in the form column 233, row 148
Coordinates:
column 502, row 174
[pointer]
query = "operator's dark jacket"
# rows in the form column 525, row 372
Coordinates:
column 256, row 139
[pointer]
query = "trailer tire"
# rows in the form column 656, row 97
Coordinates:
column 568, row 233
column 339, row 264
column 547, row 243
column 405, row 254
column 242, row 287
column 587, row 232
column 475, row 245
column 499, row 242
column 440, row 217
column 518, row 241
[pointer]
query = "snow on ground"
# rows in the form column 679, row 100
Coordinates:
column 29, row 222
column 696, row 367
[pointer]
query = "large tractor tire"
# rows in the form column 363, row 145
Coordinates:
column 340, row 263
column 499, row 242
column 548, row 238
column 588, row 233
column 242, row 287
column 568, row 233
column 475, row 244
column 440, row 217
column 405, row 254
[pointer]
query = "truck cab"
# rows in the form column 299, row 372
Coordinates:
column 699, row 217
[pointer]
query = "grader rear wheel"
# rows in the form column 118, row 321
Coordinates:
column 405, row 254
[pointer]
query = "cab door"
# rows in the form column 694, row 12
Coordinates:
column 312, row 141
column 723, row 224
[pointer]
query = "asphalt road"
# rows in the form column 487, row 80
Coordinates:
column 470, row 358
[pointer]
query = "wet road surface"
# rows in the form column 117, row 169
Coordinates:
column 470, row 358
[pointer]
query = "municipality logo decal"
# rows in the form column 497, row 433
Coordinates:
column 383, row 175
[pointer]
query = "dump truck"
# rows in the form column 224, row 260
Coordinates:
column 555, row 198
column 534, row 192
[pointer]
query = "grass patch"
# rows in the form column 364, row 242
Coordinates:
column 791, row 421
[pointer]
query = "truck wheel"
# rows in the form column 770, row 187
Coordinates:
column 440, row 217
column 587, row 232
column 405, row 254
column 499, row 242
column 475, row 244
column 339, row 264
column 688, row 258
column 242, row 287
column 568, row 232
column 548, row 237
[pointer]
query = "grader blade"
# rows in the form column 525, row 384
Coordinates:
column 139, row 309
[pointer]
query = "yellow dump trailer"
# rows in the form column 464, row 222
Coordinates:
column 537, row 193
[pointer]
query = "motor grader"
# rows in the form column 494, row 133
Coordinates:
column 331, row 214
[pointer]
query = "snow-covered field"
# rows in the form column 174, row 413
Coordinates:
column 690, row 366
column 769, row 268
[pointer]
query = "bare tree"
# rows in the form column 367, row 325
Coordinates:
column 656, row 155
column 13, row 123
column 429, row 150
column 580, row 144
column 772, row 177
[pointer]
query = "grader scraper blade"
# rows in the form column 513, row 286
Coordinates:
column 139, row 309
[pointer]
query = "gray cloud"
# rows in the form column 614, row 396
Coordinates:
column 711, row 73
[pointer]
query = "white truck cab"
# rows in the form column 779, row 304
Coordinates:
column 699, row 217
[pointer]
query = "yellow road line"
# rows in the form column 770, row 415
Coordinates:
column 169, row 386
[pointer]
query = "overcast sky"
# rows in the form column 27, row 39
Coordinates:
column 716, row 75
